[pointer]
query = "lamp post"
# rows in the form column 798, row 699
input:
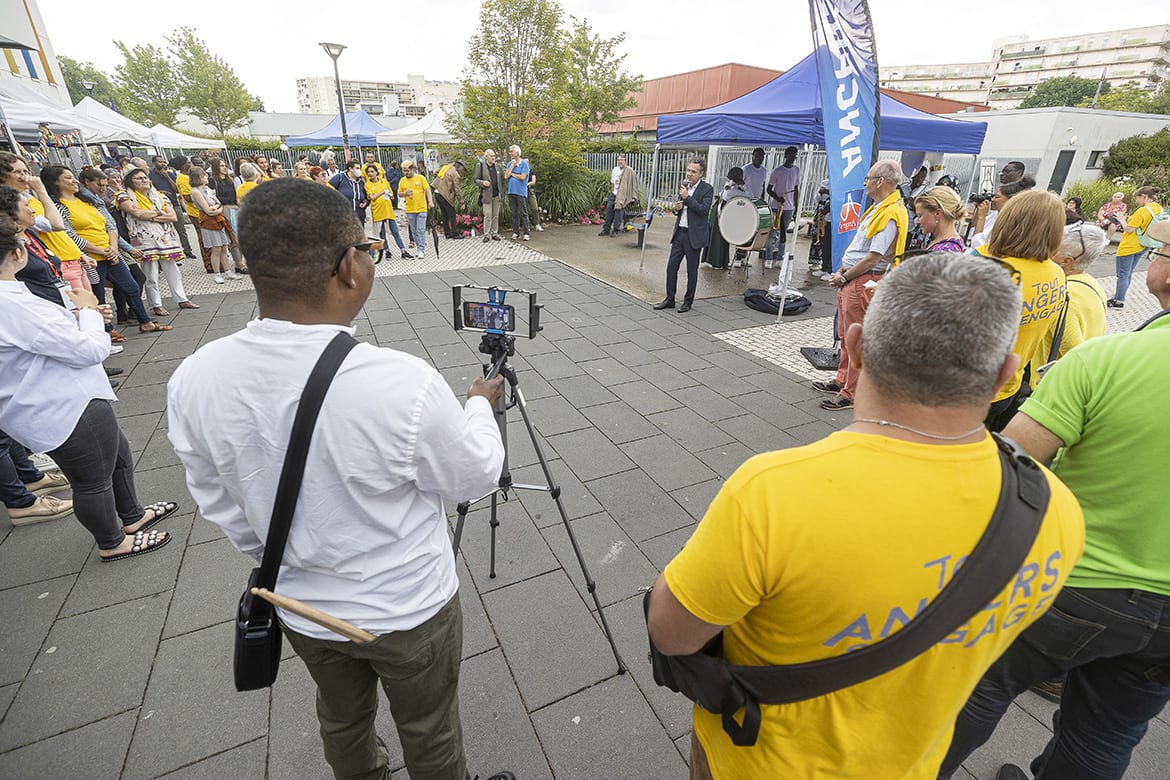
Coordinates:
column 334, row 50
column 88, row 85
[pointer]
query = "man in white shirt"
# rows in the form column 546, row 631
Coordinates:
column 784, row 191
column 755, row 175
column 368, row 542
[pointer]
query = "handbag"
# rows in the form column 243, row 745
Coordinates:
column 258, row 636
column 718, row 687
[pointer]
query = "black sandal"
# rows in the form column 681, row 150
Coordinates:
column 161, row 512
column 143, row 543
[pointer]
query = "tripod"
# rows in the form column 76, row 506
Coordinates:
column 500, row 347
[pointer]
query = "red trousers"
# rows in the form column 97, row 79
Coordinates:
column 852, row 302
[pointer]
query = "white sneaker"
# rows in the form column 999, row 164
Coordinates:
column 515, row 236
column 527, row 237
column 421, row 255
column 539, row 229
column 232, row 275
column 42, row 462
column 116, row 348
column 219, row 278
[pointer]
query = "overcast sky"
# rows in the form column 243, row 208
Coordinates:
column 271, row 44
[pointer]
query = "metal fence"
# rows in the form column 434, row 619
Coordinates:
column 813, row 164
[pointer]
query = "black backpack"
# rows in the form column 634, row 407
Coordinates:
column 760, row 300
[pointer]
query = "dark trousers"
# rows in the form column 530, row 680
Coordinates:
column 448, row 212
column 120, row 300
column 16, row 471
column 181, row 226
column 1114, row 645
column 419, row 670
column 680, row 246
column 614, row 218
column 518, row 204
column 96, row 459
column 122, row 279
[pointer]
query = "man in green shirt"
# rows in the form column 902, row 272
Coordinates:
column 1109, row 629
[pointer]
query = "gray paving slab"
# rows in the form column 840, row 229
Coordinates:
column 607, row 731
column 682, row 359
column 32, row 553
column 497, row 732
column 668, row 463
column 757, row 432
column 7, row 694
column 660, row 550
column 616, row 564
column 27, row 614
column 707, row 403
column 590, row 454
column 689, row 430
column 609, row 371
column 663, row 375
column 639, row 505
column 521, row 552
column 478, row 636
column 191, row 709
column 248, row 760
column 575, row 497
column 583, row 391
column 96, row 750
column 554, row 415
column 91, row 666
column 210, row 581
column 619, row 422
column 696, row 498
column 549, row 638
column 645, row 398
column 580, row 349
column 203, row 530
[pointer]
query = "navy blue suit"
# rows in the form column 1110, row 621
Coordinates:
column 689, row 241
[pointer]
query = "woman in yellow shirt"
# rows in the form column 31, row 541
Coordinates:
column 417, row 198
column 381, row 199
column 1130, row 250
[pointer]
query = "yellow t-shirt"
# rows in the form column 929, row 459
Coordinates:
column 797, row 577
column 416, row 203
column 1085, row 319
column 380, row 207
column 88, row 223
column 1140, row 219
column 1042, row 285
column 183, row 186
column 244, row 189
column 57, row 241
column 377, row 165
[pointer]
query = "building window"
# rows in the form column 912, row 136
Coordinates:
column 1097, row 159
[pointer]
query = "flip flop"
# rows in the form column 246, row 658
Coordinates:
column 188, row 305
column 143, row 543
column 152, row 327
column 160, row 513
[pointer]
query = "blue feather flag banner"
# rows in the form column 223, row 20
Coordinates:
column 847, row 74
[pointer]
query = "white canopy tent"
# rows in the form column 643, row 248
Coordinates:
column 173, row 139
column 109, row 125
column 430, row 129
column 25, row 110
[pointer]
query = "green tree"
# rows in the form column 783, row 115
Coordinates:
column 1131, row 97
column 1063, row 91
column 514, row 86
column 1136, row 153
column 599, row 90
column 208, row 86
column 147, row 90
column 77, row 73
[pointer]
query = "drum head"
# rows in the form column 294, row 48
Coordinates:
column 738, row 221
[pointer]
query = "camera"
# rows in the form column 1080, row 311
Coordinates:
column 980, row 197
column 494, row 316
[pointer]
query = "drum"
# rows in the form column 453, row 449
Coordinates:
column 744, row 222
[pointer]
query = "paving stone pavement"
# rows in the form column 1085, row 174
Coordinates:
column 124, row 671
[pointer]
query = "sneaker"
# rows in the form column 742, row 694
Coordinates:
column 837, row 403
column 527, row 237
column 42, row 462
column 232, row 275
column 44, row 508
column 422, row 255
column 52, row 482
column 219, row 278
column 496, row 237
column 539, row 229
column 116, row 348
column 407, row 255
column 515, row 236
column 243, row 270
column 827, row 387
column 1113, row 303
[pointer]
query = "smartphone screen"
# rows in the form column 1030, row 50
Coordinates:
column 489, row 316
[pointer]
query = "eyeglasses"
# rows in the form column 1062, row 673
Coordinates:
column 868, row 179
column 363, row 247
column 1081, row 238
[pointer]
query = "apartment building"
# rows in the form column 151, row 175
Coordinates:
column 411, row 98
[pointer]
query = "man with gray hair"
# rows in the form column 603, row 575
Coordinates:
column 489, row 175
column 1084, row 317
column 880, row 238
column 785, row 585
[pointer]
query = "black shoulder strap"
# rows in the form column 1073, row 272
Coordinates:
column 293, row 471
column 1058, row 336
column 1002, row 549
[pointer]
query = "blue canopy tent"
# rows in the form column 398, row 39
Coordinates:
column 362, row 128
column 787, row 110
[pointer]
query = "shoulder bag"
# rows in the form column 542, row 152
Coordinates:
column 718, row 687
column 258, row 637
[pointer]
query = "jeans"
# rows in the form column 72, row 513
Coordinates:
column 16, row 471
column 419, row 670
column 96, row 459
column 778, row 238
column 381, row 226
column 533, row 208
column 518, row 204
column 1125, row 266
column 613, row 220
column 680, row 247
column 1115, row 646
column 448, row 211
column 181, row 226
column 417, row 224
column 123, row 280
column 491, row 215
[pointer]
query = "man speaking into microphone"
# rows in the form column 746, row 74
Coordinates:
column 691, row 232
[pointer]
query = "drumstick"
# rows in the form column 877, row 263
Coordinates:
column 336, row 625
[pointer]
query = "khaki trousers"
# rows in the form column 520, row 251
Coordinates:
column 419, row 670
column 700, row 769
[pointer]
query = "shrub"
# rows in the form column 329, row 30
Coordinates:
column 1130, row 155
column 1095, row 193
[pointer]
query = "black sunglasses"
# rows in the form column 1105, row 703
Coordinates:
column 363, row 247
column 1081, row 238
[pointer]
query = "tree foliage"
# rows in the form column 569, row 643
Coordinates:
column 209, row 87
column 147, row 90
column 78, row 72
column 1133, row 154
column 599, row 90
column 1063, row 91
column 1131, row 97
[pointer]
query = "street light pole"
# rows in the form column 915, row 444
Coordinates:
column 334, row 50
